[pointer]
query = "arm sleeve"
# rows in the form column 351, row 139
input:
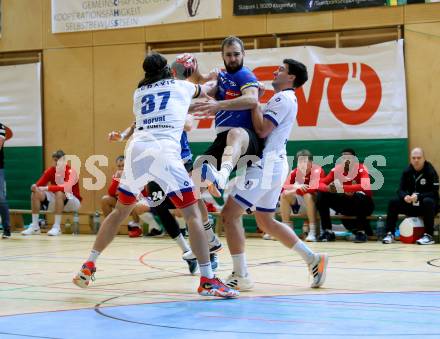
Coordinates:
column 363, row 186
column 45, row 178
column 276, row 109
column 193, row 90
column 325, row 181
column 70, row 179
column 403, row 190
column 316, row 177
column 113, row 188
column 434, row 183
column 246, row 79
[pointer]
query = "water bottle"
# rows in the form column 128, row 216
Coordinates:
column 67, row 224
column 75, row 226
column 96, row 222
column 380, row 228
column 437, row 233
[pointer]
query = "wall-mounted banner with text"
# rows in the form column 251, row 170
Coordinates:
column 251, row 7
column 90, row 15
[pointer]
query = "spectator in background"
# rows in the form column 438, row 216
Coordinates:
column 5, row 133
column 418, row 195
column 347, row 190
column 56, row 191
column 108, row 203
column 301, row 189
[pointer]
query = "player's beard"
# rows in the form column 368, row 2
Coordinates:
column 233, row 69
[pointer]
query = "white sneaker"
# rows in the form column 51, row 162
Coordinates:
column 133, row 224
column 425, row 240
column 54, row 231
column 31, row 230
column 318, row 270
column 215, row 178
column 239, row 283
column 388, row 239
column 311, row 237
column 188, row 255
column 267, row 236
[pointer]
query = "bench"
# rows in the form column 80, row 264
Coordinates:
column 219, row 221
column 18, row 222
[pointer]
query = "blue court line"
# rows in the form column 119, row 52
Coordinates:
column 378, row 315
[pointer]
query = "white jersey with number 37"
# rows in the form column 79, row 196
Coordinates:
column 161, row 108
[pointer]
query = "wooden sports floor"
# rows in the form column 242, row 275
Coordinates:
column 143, row 290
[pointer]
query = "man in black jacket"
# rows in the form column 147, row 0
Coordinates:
column 418, row 195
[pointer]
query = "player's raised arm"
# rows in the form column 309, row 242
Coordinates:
column 122, row 136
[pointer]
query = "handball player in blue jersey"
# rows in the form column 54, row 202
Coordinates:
column 236, row 93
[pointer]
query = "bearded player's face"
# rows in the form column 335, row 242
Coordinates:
column 233, row 57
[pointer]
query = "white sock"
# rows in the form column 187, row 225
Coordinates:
column 180, row 240
column 212, row 238
column 226, row 169
column 93, row 256
column 35, row 224
column 312, row 228
column 206, row 270
column 239, row 265
column 57, row 221
column 304, row 251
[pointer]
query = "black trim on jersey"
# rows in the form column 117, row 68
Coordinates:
column 198, row 91
column 289, row 89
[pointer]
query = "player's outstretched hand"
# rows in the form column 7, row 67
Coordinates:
column 207, row 106
column 114, row 136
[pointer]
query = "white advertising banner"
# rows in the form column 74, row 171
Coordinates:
column 90, row 15
column 20, row 103
column 352, row 93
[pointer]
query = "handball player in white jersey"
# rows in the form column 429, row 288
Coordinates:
column 160, row 107
column 262, row 184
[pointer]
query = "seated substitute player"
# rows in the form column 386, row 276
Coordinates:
column 346, row 190
column 301, row 188
column 263, row 182
column 56, row 191
column 160, row 106
column 417, row 196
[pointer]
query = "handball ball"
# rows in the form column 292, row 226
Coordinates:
column 184, row 66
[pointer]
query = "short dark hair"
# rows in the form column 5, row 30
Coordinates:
column 58, row 154
column 119, row 158
column 299, row 70
column 304, row 153
column 349, row 150
column 230, row 40
column 156, row 68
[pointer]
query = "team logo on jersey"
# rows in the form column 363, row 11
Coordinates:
column 230, row 94
column 423, row 181
column 248, row 184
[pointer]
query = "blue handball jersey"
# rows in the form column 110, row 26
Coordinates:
column 230, row 86
column 186, row 151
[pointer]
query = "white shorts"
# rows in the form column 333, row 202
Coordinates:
column 71, row 205
column 261, row 186
column 154, row 161
column 301, row 203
